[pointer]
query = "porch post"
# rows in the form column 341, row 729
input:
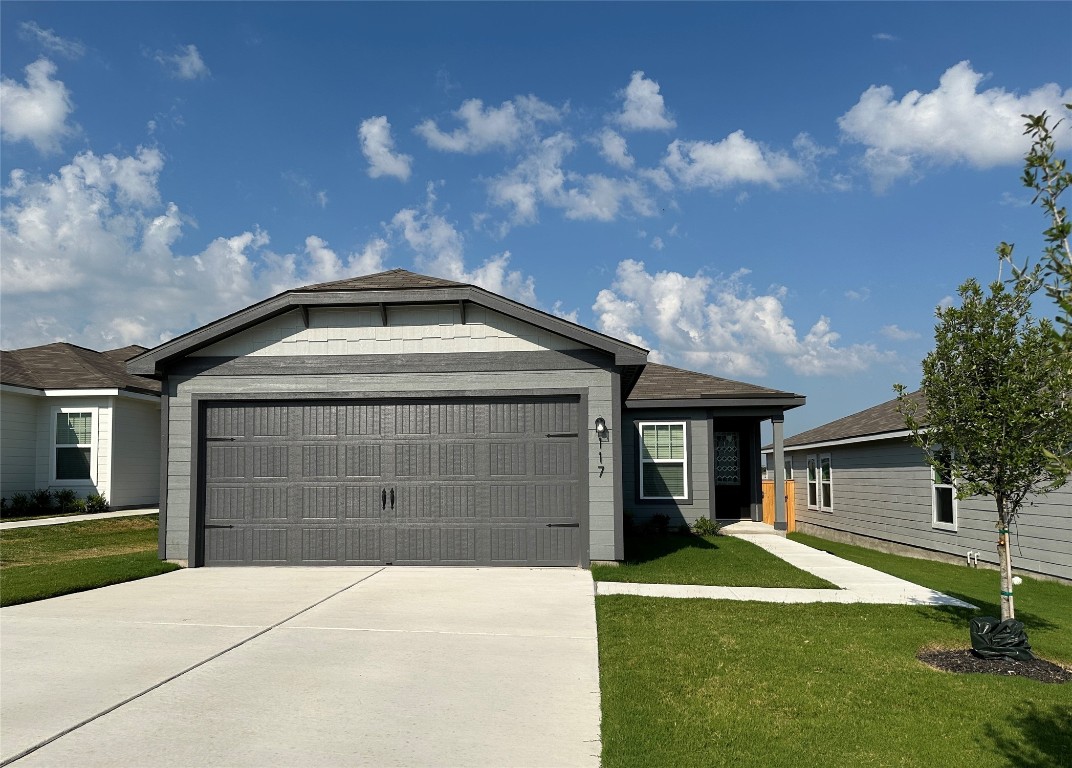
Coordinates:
column 780, row 522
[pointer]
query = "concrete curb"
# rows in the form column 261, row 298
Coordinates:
column 77, row 518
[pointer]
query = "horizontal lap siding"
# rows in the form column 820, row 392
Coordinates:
column 18, row 443
column 699, row 476
column 595, row 382
column 136, row 458
column 883, row 490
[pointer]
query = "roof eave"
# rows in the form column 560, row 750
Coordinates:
column 773, row 402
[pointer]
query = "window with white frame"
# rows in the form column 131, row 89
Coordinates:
column 788, row 468
column 820, row 482
column 74, row 440
column 663, row 460
column 943, row 493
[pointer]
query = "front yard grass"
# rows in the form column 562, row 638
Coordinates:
column 47, row 561
column 704, row 560
column 709, row 683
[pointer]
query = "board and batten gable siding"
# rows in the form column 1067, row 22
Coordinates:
column 882, row 490
column 18, row 447
column 420, row 329
column 699, row 474
column 136, row 456
column 596, row 385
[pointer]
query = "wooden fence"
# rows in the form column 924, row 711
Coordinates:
column 768, row 504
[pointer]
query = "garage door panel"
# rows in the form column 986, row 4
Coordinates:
column 473, row 481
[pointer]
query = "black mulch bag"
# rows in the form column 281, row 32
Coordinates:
column 991, row 638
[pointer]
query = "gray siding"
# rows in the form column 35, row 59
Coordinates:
column 136, row 457
column 699, row 474
column 595, row 383
column 18, row 443
column 882, row 489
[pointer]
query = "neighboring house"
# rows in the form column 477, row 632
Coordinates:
column 861, row 479
column 74, row 418
column 402, row 419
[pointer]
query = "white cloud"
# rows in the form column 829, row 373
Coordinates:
column 378, row 147
column 954, row 123
column 885, row 37
column 540, row 179
column 185, row 64
column 719, row 325
column 440, row 251
column 736, row 159
column 861, row 295
column 613, row 148
column 558, row 311
column 657, row 243
column 486, row 128
column 896, row 333
column 51, row 42
column 302, row 187
column 36, row 112
column 643, row 108
column 90, row 257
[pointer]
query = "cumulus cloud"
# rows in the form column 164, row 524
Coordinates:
column 858, row 295
column 954, row 123
column 185, row 64
column 613, row 148
column 485, row 128
column 50, row 41
column 540, row 179
column 895, row 333
column 643, row 108
column 378, row 147
column 885, row 37
column 36, row 112
column 440, row 250
column 719, row 324
column 90, row 256
column 735, row 159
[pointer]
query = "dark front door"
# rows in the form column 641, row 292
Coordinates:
column 493, row 481
column 732, row 498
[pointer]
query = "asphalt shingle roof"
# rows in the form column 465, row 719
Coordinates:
column 65, row 366
column 391, row 280
column 873, row 421
column 664, row 382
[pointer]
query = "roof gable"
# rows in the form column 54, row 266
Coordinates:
column 658, row 382
column 395, row 287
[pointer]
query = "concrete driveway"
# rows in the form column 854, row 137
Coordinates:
column 307, row 666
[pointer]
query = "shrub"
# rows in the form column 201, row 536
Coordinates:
column 41, row 501
column 65, row 497
column 20, row 504
column 95, row 504
column 705, row 526
column 78, row 507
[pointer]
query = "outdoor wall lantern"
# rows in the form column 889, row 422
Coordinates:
column 601, row 428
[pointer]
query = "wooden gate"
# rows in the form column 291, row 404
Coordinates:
column 790, row 506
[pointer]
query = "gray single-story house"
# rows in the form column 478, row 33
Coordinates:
column 71, row 417
column 397, row 418
column 861, row 479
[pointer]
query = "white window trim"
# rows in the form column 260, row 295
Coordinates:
column 684, row 460
column 935, row 522
column 822, row 503
column 788, row 468
column 94, row 412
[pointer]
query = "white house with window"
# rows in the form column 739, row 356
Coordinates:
column 868, row 483
column 71, row 417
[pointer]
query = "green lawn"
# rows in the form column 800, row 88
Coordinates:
column 708, row 683
column 51, row 560
column 707, row 560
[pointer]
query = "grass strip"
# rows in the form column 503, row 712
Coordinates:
column 705, row 683
column 27, row 583
column 38, row 545
column 1045, row 607
column 707, row 561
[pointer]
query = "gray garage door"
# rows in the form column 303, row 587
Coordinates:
column 450, row 482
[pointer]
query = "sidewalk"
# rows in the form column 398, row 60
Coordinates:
column 76, row 518
column 859, row 584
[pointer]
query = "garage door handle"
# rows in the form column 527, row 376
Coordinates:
column 209, row 525
column 383, row 498
column 563, row 525
column 561, row 434
column 392, row 498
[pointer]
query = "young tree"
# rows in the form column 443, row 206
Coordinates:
column 997, row 398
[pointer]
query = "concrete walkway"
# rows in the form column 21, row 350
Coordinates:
column 859, row 584
column 76, row 518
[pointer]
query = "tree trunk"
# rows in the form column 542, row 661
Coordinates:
column 1008, row 610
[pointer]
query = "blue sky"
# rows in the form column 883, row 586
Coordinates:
column 778, row 193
